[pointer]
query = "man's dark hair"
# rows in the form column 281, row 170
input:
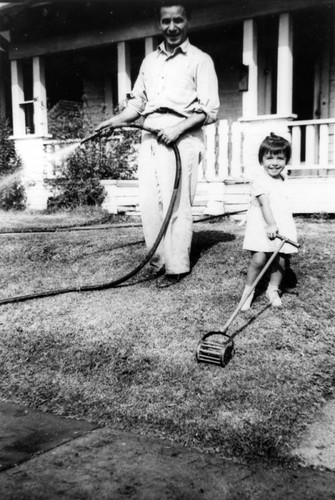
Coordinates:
column 171, row 3
column 276, row 145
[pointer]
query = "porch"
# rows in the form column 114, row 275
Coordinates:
column 274, row 63
column 225, row 172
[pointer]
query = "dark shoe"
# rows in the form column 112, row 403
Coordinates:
column 170, row 280
column 152, row 273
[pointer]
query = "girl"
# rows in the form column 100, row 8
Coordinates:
column 268, row 215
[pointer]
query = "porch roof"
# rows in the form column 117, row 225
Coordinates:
column 37, row 27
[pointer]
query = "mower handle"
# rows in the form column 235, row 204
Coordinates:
column 287, row 240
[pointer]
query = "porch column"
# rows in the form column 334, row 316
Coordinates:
column 285, row 66
column 4, row 67
column 40, row 97
column 123, row 63
column 109, row 98
column 17, row 98
column 249, row 97
column 2, row 86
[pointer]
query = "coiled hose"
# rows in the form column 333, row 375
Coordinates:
column 145, row 260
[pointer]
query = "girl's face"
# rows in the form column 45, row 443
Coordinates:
column 274, row 163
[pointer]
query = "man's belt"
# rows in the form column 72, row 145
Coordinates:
column 164, row 111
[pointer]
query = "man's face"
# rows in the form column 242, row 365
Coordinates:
column 174, row 26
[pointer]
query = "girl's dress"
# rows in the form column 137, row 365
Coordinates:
column 255, row 238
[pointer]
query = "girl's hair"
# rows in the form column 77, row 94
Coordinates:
column 274, row 144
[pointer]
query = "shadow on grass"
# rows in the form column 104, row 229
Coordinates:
column 249, row 322
column 235, row 332
column 204, row 240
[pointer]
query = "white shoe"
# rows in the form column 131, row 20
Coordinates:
column 273, row 296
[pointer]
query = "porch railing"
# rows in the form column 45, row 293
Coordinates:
column 313, row 144
column 223, row 158
column 313, row 148
column 224, row 181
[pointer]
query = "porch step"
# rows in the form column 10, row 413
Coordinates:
column 312, row 173
column 312, row 194
column 212, row 198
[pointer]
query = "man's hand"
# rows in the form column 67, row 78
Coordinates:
column 169, row 135
column 126, row 116
column 104, row 125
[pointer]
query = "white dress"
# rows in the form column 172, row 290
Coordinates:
column 256, row 238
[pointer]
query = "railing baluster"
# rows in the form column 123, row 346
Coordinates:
column 216, row 149
column 324, row 146
column 236, row 151
column 310, row 144
column 210, row 152
column 296, row 146
column 223, row 149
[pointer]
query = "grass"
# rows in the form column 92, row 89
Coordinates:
column 12, row 220
column 125, row 357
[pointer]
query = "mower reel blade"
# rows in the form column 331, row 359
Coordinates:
column 215, row 353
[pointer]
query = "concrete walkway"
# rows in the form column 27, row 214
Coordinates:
column 44, row 457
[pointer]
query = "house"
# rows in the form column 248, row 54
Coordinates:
column 275, row 60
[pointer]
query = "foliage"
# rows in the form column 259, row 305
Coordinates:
column 79, row 184
column 12, row 197
column 66, row 120
column 12, row 194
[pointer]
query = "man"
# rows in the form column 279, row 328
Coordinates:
column 176, row 92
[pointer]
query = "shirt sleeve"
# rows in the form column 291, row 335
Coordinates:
column 139, row 96
column 207, row 89
column 259, row 187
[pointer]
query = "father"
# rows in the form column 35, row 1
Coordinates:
column 176, row 92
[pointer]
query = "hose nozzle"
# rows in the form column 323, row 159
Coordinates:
column 94, row 135
column 89, row 137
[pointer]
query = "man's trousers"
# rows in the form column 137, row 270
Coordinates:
column 157, row 169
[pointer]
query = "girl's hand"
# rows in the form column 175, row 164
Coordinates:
column 272, row 231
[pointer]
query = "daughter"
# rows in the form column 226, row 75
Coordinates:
column 268, row 215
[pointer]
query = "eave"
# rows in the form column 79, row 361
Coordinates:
column 212, row 15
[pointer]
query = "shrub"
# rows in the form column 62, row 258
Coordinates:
column 78, row 182
column 66, row 121
column 12, row 195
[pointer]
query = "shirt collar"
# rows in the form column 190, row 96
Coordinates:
column 183, row 48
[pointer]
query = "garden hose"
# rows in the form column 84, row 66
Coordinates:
column 86, row 227
column 145, row 260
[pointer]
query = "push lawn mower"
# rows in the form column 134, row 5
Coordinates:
column 220, row 353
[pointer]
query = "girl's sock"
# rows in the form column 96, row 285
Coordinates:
column 272, row 294
column 248, row 301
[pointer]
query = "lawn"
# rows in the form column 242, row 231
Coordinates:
column 125, row 357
